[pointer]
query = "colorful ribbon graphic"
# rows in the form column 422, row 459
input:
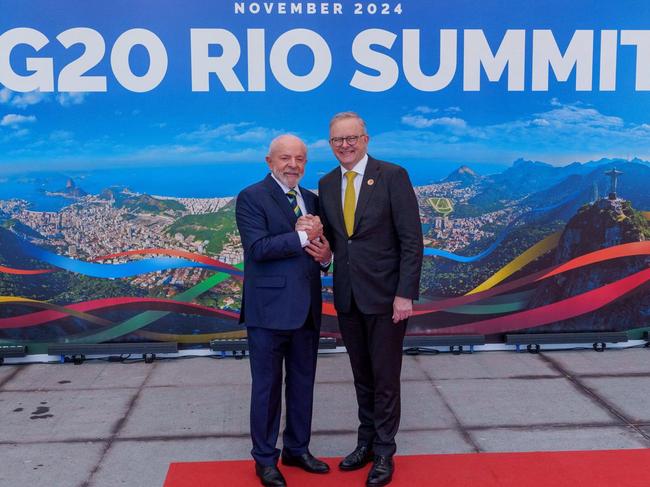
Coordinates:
column 24, row 272
column 26, row 320
column 217, row 264
column 80, row 310
column 558, row 311
column 132, row 324
column 518, row 263
column 623, row 250
column 493, row 297
column 129, row 269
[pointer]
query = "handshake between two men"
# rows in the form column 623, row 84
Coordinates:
column 318, row 246
column 282, row 301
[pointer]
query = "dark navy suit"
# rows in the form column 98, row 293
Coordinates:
column 281, row 307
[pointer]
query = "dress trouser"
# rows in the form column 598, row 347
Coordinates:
column 269, row 349
column 374, row 345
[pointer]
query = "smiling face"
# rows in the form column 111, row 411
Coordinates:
column 286, row 159
column 349, row 154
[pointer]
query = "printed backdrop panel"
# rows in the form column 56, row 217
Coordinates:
column 128, row 128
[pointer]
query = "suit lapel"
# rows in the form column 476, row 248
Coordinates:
column 371, row 174
column 280, row 198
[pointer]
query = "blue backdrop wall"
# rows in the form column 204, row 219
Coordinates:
column 127, row 129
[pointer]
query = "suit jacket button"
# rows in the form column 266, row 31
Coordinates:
column 349, row 242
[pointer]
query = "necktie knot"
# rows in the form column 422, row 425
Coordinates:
column 350, row 175
column 291, row 193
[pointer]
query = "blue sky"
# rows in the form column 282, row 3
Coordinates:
column 172, row 125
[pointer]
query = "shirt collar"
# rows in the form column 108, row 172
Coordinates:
column 359, row 167
column 285, row 188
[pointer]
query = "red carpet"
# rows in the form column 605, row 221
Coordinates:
column 624, row 468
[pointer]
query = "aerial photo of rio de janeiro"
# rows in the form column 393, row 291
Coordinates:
column 157, row 247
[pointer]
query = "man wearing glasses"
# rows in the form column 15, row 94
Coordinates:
column 371, row 218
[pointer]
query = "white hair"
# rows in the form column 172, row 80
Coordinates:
column 274, row 143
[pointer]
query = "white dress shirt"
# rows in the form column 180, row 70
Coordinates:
column 360, row 169
column 301, row 204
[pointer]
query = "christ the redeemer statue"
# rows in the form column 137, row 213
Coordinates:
column 613, row 174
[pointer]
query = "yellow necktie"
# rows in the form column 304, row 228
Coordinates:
column 349, row 202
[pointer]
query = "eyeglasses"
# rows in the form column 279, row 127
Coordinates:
column 350, row 139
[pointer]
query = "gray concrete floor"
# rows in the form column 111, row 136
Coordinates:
column 121, row 424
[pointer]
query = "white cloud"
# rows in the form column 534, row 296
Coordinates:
column 568, row 122
column 61, row 136
column 564, row 125
column 424, row 109
column 27, row 99
column 13, row 120
column 563, row 133
column 256, row 134
column 21, row 100
column 206, row 133
column 454, row 122
column 453, row 109
column 73, row 98
column 5, row 95
column 187, row 153
column 57, row 140
column 572, row 115
column 416, row 121
column 14, row 134
column 420, row 122
column 245, row 132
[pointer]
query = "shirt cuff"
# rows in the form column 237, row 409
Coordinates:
column 303, row 238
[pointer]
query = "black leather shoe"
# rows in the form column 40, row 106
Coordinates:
column 306, row 461
column 359, row 458
column 381, row 472
column 270, row 476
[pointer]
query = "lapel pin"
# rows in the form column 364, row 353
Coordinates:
column 371, row 182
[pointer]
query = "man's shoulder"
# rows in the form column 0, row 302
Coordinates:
column 330, row 176
column 254, row 188
column 385, row 166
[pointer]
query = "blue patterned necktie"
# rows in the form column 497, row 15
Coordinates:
column 293, row 201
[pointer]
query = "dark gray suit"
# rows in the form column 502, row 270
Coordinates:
column 382, row 259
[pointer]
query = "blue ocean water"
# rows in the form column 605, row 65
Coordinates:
column 33, row 189
column 198, row 181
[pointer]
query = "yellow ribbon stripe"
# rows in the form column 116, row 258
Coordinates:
column 16, row 299
column 537, row 250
